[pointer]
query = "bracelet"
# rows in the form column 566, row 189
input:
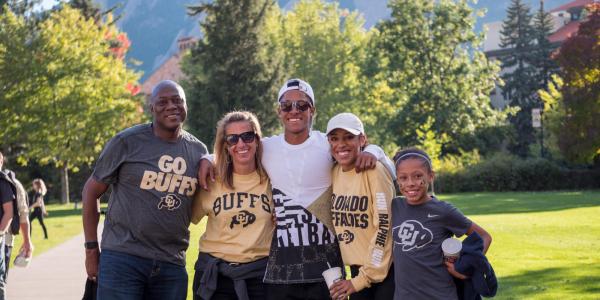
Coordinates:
column 91, row 245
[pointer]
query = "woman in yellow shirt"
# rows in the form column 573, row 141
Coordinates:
column 238, row 205
column 360, row 208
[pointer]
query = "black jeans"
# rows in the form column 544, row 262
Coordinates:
column 380, row 291
column 37, row 214
column 298, row 291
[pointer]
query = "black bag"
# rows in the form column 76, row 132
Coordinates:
column 9, row 177
column 90, row 290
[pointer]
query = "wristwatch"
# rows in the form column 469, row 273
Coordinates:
column 91, row 245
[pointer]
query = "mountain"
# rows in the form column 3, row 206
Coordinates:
column 154, row 26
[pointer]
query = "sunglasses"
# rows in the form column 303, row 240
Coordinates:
column 247, row 137
column 300, row 105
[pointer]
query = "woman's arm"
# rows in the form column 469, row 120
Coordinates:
column 37, row 199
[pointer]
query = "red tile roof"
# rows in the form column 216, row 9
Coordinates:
column 564, row 32
column 576, row 3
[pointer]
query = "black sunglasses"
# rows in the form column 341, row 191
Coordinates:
column 247, row 137
column 299, row 105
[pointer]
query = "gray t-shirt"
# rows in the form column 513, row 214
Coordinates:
column 418, row 232
column 153, row 184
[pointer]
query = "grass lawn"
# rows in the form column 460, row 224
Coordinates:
column 546, row 245
column 63, row 222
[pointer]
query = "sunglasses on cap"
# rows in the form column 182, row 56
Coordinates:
column 300, row 105
column 247, row 137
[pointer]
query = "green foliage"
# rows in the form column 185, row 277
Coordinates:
column 541, row 57
column 430, row 143
column 554, row 114
column 544, row 243
column 578, row 103
column 504, row 172
column 88, row 9
column 19, row 7
column 63, row 94
column 233, row 67
column 427, row 63
column 325, row 46
column 454, row 163
column 518, row 36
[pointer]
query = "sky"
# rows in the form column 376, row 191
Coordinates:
column 46, row 4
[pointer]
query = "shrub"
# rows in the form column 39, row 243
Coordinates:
column 504, row 172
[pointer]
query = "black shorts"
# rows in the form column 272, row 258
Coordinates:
column 298, row 291
column 381, row 291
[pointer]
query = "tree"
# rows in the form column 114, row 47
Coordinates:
column 579, row 98
column 233, row 66
column 91, row 10
column 554, row 114
column 19, row 7
column 88, row 8
column 518, row 36
column 433, row 73
column 64, row 93
column 325, row 46
column 541, row 58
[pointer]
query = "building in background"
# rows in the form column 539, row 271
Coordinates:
column 566, row 19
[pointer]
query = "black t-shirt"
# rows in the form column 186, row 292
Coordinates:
column 6, row 194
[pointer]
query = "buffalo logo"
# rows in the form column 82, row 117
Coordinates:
column 169, row 201
column 347, row 236
column 411, row 234
column 244, row 218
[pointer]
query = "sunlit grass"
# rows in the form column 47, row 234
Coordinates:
column 547, row 250
column 546, row 244
column 63, row 222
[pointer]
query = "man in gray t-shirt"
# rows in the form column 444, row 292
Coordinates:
column 151, row 169
column 418, row 232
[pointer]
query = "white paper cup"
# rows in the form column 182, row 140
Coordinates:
column 451, row 248
column 22, row 261
column 332, row 275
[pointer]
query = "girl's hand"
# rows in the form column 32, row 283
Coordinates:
column 341, row 289
column 452, row 271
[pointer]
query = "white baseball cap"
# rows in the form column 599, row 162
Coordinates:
column 297, row 84
column 346, row 121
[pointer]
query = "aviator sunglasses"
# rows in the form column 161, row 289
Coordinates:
column 247, row 137
column 300, row 105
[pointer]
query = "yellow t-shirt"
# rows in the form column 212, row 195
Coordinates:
column 361, row 211
column 240, row 225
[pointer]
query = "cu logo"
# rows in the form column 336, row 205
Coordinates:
column 169, row 202
column 411, row 234
column 346, row 236
column 243, row 218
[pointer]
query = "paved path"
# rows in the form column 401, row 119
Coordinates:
column 57, row 274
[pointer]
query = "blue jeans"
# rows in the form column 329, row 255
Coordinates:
column 2, row 268
column 125, row 276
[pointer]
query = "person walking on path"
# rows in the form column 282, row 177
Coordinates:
column 38, row 207
column 152, row 171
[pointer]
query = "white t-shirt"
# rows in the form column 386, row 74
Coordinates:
column 300, row 175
